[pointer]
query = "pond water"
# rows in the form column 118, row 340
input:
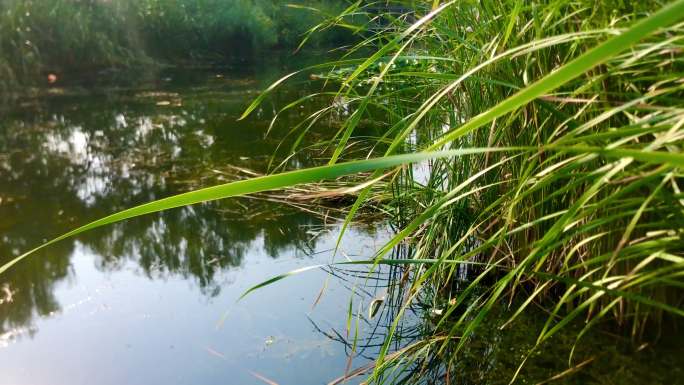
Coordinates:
column 153, row 300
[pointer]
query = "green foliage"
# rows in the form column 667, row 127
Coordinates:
column 37, row 37
column 219, row 27
column 563, row 227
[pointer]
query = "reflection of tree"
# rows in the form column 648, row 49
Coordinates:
column 67, row 161
column 29, row 287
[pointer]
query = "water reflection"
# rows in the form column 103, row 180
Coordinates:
column 75, row 157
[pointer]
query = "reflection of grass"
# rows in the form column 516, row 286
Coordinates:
column 561, row 193
column 492, row 355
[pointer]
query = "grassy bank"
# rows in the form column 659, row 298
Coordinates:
column 546, row 143
column 38, row 38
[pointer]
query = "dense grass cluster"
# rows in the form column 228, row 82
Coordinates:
column 572, row 199
column 574, row 205
column 40, row 37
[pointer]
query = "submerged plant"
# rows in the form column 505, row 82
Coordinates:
column 551, row 135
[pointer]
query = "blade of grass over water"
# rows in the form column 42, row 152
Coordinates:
column 249, row 186
column 436, row 262
column 292, row 178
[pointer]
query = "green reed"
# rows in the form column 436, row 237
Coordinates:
column 561, row 227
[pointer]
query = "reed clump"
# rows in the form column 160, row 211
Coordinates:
column 570, row 206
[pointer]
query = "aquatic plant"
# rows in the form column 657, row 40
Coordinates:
column 559, row 225
column 551, row 136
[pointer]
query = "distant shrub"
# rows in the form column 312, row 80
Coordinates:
column 60, row 35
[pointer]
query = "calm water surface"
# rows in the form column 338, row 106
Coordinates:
column 153, row 301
